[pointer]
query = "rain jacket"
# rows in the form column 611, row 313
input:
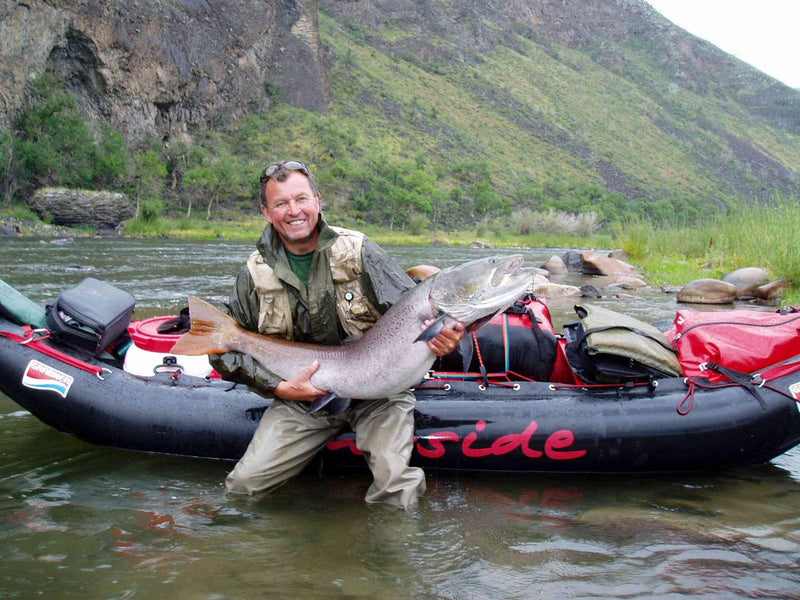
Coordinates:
column 316, row 313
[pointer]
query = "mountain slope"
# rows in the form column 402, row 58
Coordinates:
column 456, row 110
column 608, row 91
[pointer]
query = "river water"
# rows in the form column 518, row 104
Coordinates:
column 81, row 521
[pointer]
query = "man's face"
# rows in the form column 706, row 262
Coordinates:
column 293, row 210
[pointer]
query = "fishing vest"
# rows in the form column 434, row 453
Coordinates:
column 356, row 313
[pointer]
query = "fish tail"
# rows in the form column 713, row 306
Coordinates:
column 210, row 333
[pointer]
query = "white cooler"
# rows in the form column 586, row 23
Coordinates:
column 149, row 348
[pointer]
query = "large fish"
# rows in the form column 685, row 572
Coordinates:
column 392, row 356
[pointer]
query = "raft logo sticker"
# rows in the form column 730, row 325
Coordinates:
column 39, row 376
column 794, row 390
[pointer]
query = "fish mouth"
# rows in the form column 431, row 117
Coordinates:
column 510, row 266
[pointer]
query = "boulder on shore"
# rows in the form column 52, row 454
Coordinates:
column 555, row 291
column 747, row 280
column 597, row 264
column 555, row 266
column 104, row 210
column 708, row 291
column 590, row 291
column 627, row 282
column 572, row 259
column 422, row 272
column 774, row 290
column 7, row 230
column 619, row 255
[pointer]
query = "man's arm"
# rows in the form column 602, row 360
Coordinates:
column 235, row 366
column 243, row 368
column 383, row 280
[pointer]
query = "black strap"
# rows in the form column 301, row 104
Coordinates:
column 538, row 334
column 743, row 379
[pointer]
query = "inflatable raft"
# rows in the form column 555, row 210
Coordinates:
column 662, row 425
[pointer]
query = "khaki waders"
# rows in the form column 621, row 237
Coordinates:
column 287, row 439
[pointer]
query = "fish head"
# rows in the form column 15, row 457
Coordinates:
column 480, row 288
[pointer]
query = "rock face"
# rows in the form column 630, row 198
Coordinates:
column 105, row 210
column 154, row 68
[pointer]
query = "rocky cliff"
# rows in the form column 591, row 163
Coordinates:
column 154, row 68
column 600, row 91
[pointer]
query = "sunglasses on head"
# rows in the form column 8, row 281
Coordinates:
column 289, row 165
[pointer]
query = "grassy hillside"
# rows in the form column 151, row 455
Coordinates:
column 448, row 114
column 555, row 127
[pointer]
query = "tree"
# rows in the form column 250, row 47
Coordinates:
column 54, row 146
column 57, row 147
column 112, row 160
column 9, row 166
column 201, row 182
column 149, row 177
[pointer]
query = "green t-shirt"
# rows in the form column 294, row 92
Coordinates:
column 301, row 265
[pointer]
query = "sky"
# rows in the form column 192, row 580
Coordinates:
column 763, row 33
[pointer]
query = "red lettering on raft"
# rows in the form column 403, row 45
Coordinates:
column 344, row 443
column 554, row 446
column 435, row 440
column 562, row 438
column 502, row 445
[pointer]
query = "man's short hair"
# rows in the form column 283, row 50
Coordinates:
column 280, row 171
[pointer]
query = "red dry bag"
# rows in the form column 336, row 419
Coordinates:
column 747, row 341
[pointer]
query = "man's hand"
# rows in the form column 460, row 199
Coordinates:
column 299, row 388
column 447, row 340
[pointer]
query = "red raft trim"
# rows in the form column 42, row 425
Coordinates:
column 38, row 344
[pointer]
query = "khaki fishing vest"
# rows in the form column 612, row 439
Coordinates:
column 356, row 313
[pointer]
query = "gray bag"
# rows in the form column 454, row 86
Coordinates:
column 609, row 347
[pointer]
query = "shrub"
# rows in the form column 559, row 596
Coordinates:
column 528, row 221
column 150, row 210
column 418, row 224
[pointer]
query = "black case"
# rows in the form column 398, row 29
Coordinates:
column 90, row 316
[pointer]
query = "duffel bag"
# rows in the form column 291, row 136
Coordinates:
column 519, row 342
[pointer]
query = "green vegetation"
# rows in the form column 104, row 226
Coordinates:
column 745, row 235
column 367, row 168
column 52, row 146
column 514, row 147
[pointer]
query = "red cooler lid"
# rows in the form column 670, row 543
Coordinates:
column 145, row 335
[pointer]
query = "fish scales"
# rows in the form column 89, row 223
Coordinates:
column 387, row 359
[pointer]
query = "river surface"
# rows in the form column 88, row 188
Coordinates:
column 82, row 521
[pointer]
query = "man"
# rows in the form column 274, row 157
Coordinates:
column 311, row 282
